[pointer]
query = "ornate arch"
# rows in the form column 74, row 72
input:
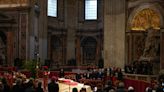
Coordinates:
column 145, row 16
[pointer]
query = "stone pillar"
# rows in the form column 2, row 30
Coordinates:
column 78, row 51
column 98, row 51
column 32, row 27
column 43, row 51
column 162, row 49
column 10, row 48
column 49, row 45
column 23, row 36
column 71, row 25
column 114, row 33
column 38, row 30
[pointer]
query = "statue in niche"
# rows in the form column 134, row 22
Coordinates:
column 151, row 49
column 151, row 52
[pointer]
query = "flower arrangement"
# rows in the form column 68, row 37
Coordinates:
column 31, row 66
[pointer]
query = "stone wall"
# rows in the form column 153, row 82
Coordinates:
column 71, row 23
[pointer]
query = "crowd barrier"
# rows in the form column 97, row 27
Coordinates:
column 138, row 85
column 140, row 82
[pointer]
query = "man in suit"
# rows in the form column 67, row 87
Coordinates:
column 53, row 86
column 61, row 73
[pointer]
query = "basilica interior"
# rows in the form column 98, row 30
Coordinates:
column 83, row 33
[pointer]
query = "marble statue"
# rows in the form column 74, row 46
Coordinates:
column 151, row 49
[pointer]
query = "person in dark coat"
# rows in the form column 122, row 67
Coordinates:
column 131, row 89
column 30, row 87
column 83, row 90
column 18, row 87
column 78, row 77
column 108, row 86
column 61, row 73
column 6, row 87
column 120, row 75
column 53, row 86
column 74, row 90
column 39, row 88
column 121, row 87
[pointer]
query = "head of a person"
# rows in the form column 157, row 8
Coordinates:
column 61, row 70
column 130, row 89
column 83, row 90
column 111, row 90
column 18, row 81
column 74, row 90
column 148, row 89
column 121, row 85
column 53, row 79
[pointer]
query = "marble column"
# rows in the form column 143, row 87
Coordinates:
column 162, row 49
column 78, row 51
column 98, row 51
column 71, row 25
column 32, row 27
column 10, row 48
column 114, row 33
column 43, row 48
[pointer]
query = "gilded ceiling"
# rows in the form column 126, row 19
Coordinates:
column 147, row 18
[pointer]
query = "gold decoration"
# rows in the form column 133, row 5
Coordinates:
column 12, row 3
column 147, row 18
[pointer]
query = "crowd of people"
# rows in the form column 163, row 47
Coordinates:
column 139, row 67
column 121, row 88
column 18, row 82
column 111, row 78
column 100, row 73
column 115, row 82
